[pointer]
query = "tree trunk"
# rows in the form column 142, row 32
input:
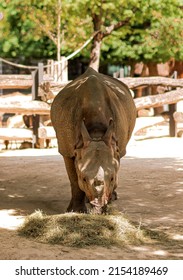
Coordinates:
column 97, row 42
column 59, row 41
column 95, row 52
column 176, row 66
column 139, row 91
column 153, row 71
column 58, row 31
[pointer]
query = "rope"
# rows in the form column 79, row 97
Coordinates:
column 18, row 65
column 77, row 51
column 56, row 63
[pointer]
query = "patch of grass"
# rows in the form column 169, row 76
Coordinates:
column 81, row 230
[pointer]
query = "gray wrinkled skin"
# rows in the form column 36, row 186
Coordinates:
column 93, row 117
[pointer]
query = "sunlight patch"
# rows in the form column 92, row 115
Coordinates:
column 160, row 253
column 178, row 237
column 9, row 219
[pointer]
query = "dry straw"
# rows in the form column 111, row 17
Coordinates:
column 81, row 230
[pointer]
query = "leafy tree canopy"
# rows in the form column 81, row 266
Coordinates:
column 155, row 34
column 152, row 29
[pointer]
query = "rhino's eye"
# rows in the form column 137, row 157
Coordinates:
column 112, row 179
column 84, row 179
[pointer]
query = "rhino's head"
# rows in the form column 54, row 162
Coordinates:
column 97, row 164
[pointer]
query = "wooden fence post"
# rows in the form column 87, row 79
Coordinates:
column 37, row 77
column 172, row 110
column 172, row 123
column 40, row 73
column 50, row 68
column 35, row 84
column 64, row 69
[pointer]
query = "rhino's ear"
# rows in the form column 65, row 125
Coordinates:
column 82, row 138
column 85, row 135
column 77, row 153
column 109, row 137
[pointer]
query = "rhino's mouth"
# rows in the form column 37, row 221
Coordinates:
column 97, row 207
column 100, row 205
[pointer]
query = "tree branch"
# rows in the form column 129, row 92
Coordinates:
column 112, row 27
column 48, row 33
column 42, row 26
column 116, row 26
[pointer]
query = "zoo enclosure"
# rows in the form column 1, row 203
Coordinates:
column 45, row 87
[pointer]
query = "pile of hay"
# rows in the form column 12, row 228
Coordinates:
column 80, row 230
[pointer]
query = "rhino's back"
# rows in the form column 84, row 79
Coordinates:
column 95, row 98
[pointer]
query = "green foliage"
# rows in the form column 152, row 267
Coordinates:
column 19, row 34
column 155, row 34
column 154, row 31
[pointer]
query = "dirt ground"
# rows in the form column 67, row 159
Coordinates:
column 150, row 194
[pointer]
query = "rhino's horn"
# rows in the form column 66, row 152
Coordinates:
column 85, row 135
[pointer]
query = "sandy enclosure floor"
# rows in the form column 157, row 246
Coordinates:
column 150, row 194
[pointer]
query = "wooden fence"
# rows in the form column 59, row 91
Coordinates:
column 45, row 88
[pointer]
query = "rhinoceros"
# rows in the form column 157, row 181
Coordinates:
column 93, row 116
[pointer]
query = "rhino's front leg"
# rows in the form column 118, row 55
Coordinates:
column 77, row 203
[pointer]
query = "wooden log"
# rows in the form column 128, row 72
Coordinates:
column 15, row 96
column 15, row 77
column 48, row 90
column 54, row 87
column 25, row 107
column 25, row 81
column 152, row 81
column 19, row 81
column 15, row 81
column 132, row 83
column 157, row 100
column 15, row 134
column 38, row 107
column 145, row 122
column 178, row 117
column 46, row 132
column 18, row 103
column 22, row 106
